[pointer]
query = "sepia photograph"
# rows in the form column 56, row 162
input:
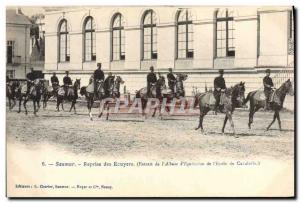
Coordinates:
column 150, row 101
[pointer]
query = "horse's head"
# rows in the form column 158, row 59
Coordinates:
column 119, row 80
column 77, row 84
column 288, row 86
column 238, row 94
column 182, row 76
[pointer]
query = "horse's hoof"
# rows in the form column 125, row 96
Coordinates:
column 196, row 128
column 236, row 136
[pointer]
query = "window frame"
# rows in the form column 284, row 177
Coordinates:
column 152, row 26
column 119, row 30
column 92, row 33
column 67, row 42
column 188, row 54
column 225, row 19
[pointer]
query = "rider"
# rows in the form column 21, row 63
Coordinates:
column 67, row 82
column 54, row 80
column 98, row 75
column 219, row 86
column 171, row 80
column 109, row 80
column 151, row 80
column 268, row 88
column 31, row 76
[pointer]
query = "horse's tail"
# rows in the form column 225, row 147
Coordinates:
column 247, row 98
column 82, row 91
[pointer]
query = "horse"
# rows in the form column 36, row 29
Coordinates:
column 71, row 96
column 257, row 101
column 232, row 98
column 48, row 91
column 89, row 94
column 11, row 93
column 155, row 90
column 34, row 94
column 177, row 93
column 114, row 93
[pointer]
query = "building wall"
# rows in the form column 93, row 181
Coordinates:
column 254, row 48
column 20, row 34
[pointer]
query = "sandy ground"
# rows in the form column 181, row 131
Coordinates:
column 131, row 136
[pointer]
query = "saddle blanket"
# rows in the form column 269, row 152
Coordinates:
column 90, row 88
column 61, row 91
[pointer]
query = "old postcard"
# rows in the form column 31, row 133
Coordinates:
column 150, row 101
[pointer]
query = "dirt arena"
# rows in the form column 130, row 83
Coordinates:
column 130, row 135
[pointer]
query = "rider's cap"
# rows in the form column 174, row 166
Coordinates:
column 151, row 68
column 109, row 73
column 268, row 71
column 67, row 71
column 170, row 69
column 221, row 71
column 98, row 64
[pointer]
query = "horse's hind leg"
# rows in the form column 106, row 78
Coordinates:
column 274, row 118
column 107, row 113
column 224, row 124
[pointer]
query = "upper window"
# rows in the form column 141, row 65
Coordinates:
column 118, row 38
column 225, row 33
column 149, row 36
column 64, row 41
column 89, row 39
column 185, row 35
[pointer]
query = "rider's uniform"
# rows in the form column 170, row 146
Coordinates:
column 30, row 78
column 219, row 85
column 98, row 75
column 67, row 81
column 268, row 85
column 171, row 81
column 107, row 82
column 151, row 79
column 54, row 79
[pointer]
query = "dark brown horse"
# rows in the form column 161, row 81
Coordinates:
column 257, row 101
column 34, row 94
column 232, row 98
column 48, row 92
column 71, row 96
column 11, row 93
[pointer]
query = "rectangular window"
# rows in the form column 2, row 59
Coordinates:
column 225, row 37
column 185, row 41
column 10, row 46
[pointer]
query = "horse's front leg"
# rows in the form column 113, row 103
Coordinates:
column 101, row 109
column 224, row 124
column 107, row 111
column 274, row 118
column 279, row 122
column 34, row 107
column 229, row 115
column 20, row 102
column 74, row 106
column 24, row 104
column 89, row 105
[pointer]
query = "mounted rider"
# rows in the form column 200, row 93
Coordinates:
column 98, row 76
column 54, row 80
column 31, row 76
column 67, row 82
column 107, row 83
column 171, row 80
column 268, row 88
column 219, row 87
column 151, row 81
